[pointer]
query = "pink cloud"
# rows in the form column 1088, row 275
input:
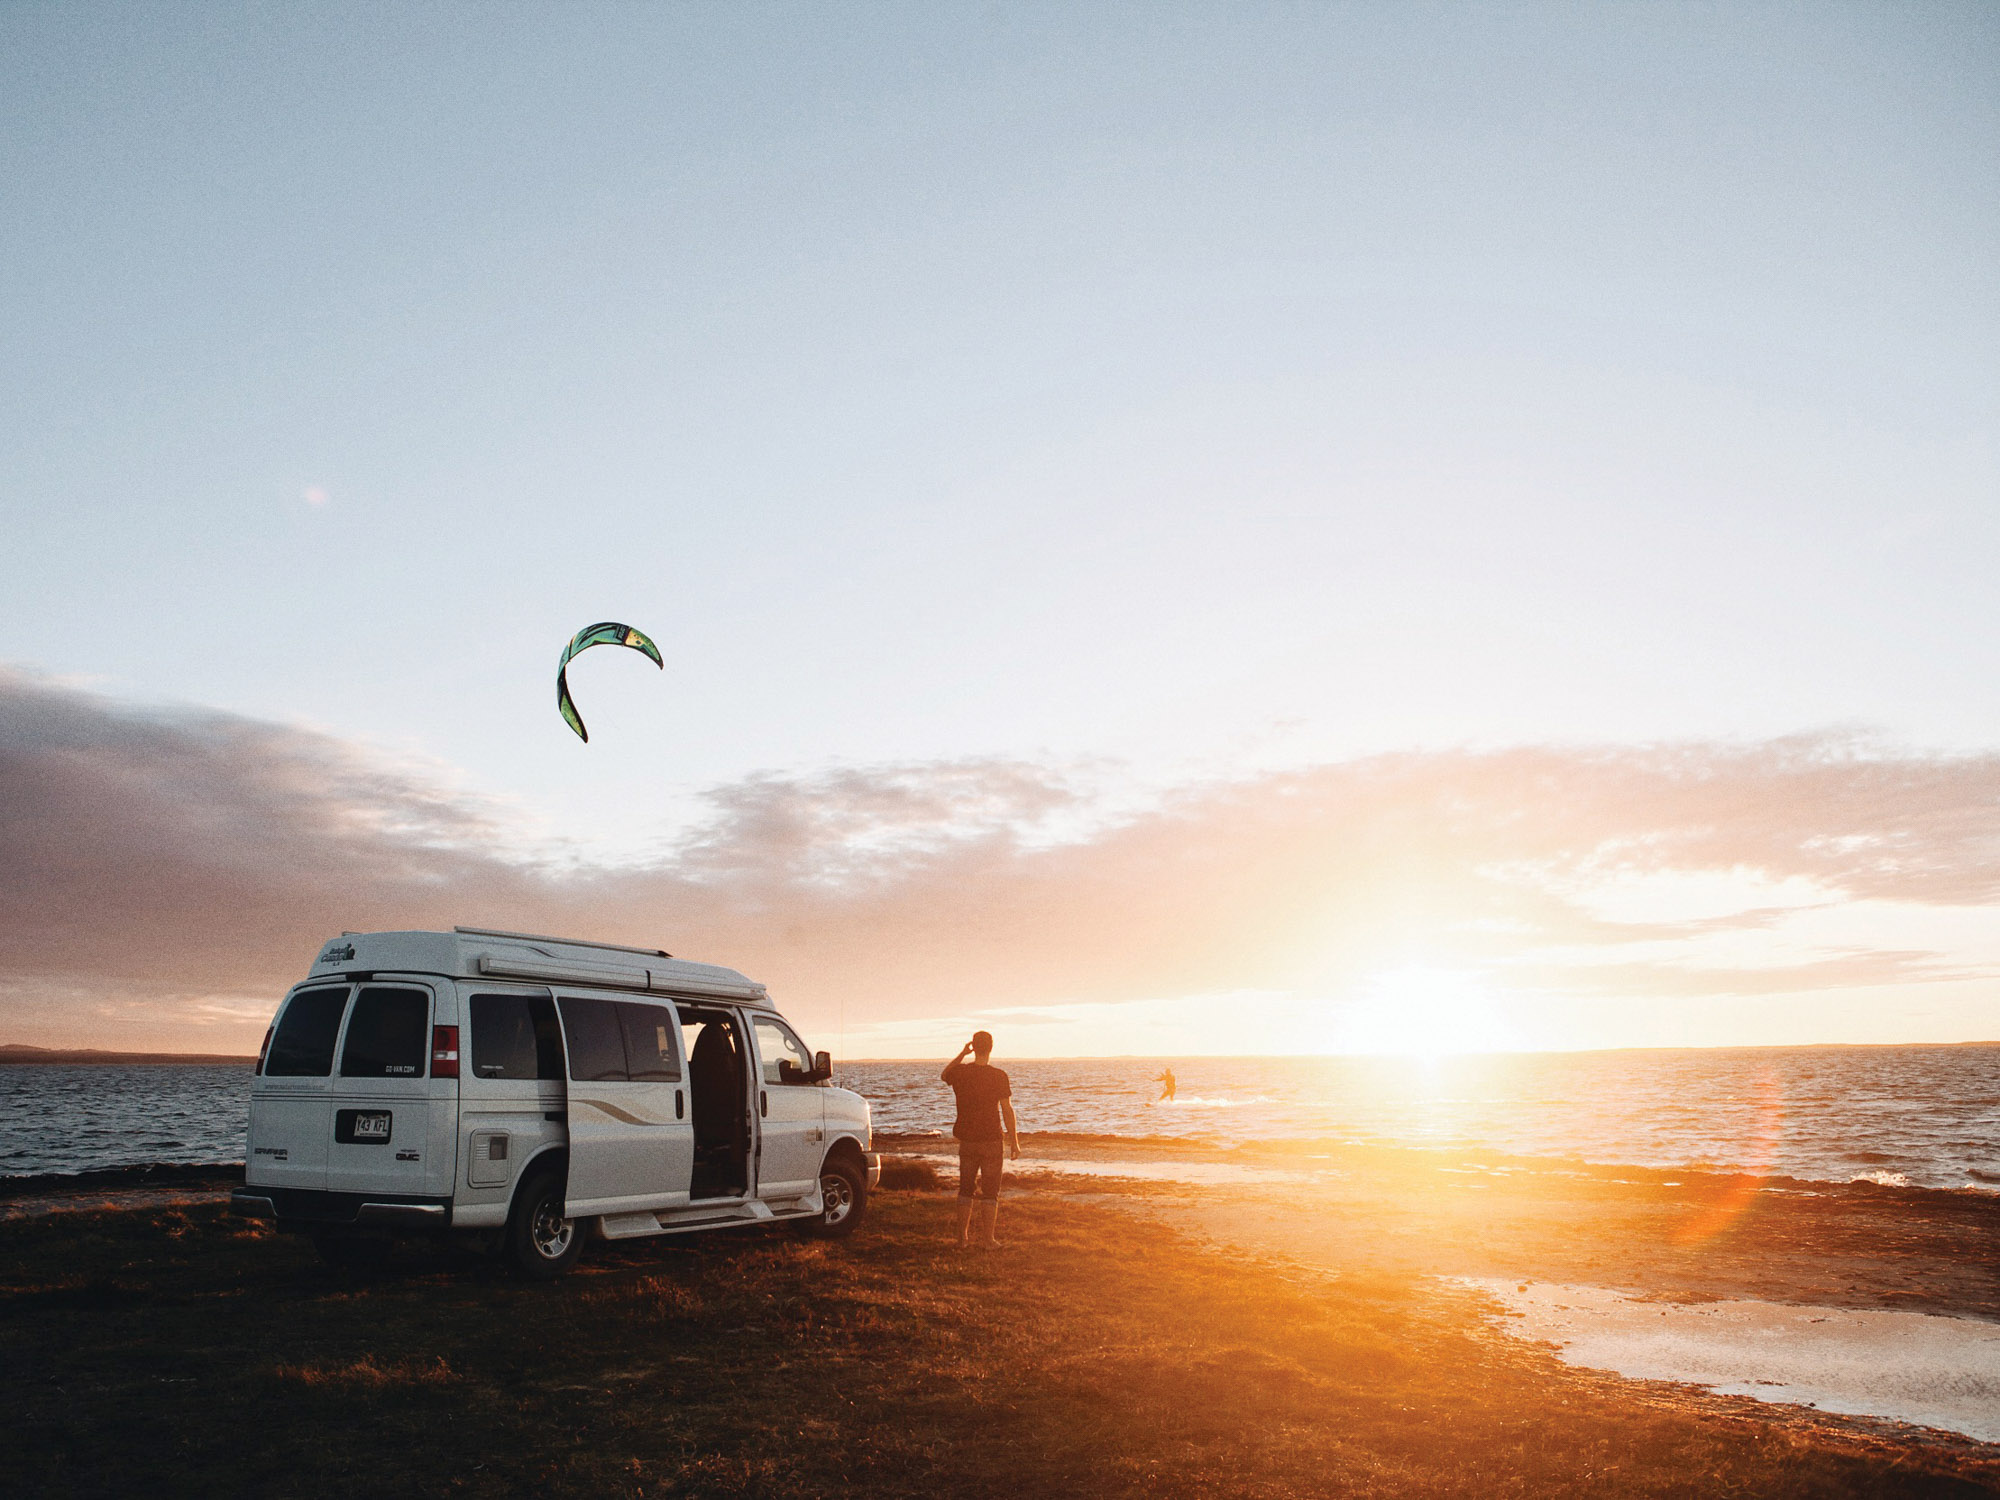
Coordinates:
column 164, row 854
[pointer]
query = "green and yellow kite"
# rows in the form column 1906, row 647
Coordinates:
column 609, row 633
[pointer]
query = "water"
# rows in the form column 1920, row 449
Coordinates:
column 1923, row 1116
column 1917, row 1116
column 55, row 1119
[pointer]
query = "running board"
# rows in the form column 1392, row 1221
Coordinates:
column 636, row 1226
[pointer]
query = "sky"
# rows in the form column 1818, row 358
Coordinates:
column 1172, row 529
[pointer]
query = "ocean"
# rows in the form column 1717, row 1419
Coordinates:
column 1915, row 1116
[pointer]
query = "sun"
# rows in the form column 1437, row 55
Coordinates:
column 1421, row 1011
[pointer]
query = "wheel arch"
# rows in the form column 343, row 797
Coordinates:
column 551, row 1158
column 846, row 1148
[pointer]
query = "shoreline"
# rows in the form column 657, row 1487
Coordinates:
column 1879, row 1303
column 1088, row 1145
column 1677, row 1236
column 92, row 1057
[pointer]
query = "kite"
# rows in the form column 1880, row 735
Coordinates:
column 609, row 633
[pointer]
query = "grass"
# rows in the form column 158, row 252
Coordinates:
column 180, row 1352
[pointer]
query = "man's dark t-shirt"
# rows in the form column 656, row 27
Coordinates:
column 980, row 1087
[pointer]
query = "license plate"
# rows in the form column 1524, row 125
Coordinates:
column 372, row 1127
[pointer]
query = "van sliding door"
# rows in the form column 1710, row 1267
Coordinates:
column 631, row 1138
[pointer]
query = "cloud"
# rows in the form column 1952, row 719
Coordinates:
column 191, row 861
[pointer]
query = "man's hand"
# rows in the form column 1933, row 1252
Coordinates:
column 1013, row 1150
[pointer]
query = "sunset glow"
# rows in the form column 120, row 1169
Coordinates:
column 1423, row 1012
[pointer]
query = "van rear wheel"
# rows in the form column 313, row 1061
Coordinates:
column 541, row 1242
column 843, row 1190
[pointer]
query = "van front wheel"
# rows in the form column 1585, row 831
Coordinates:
column 843, row 1190
column 541, row 1242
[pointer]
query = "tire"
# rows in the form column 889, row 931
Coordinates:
column 541, row 1243
column 843, row 1186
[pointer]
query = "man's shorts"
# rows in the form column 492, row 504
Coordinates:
column 981, row 1164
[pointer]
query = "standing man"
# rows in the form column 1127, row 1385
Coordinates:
column 985, row 1099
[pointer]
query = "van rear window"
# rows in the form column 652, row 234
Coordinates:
column 303, row 1047
column 389, row 1035
column 515, row 1036
column 596, row 1046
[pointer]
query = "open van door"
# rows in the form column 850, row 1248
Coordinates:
column 791, row 1115
column 631, row 1141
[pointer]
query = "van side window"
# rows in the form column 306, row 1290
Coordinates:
column 650, row 1052
column 596, row 1045
column 515, row 1036
column 776, row 1044
column 303, row 1047
column 388, row 1035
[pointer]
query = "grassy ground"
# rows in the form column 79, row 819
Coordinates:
column 180, row 1352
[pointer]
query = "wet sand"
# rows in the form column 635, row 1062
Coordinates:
column 1880, row 1303
column 1679, row 1236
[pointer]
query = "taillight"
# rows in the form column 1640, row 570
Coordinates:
column 444, row 1052
column 265, row 1050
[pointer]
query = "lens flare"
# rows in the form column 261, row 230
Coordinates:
column 1767, row 1130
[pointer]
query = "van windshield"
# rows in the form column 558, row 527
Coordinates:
column 303, row 1047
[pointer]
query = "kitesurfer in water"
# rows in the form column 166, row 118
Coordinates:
column 1166, row 1082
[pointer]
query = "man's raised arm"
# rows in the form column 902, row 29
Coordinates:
column 946, row 1074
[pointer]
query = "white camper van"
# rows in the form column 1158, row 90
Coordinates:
column 533, row 1091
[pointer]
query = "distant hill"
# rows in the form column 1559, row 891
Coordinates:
column 71, row 1057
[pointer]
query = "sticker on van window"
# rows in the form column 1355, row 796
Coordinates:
column 337, row 953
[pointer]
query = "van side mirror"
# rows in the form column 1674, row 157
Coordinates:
column 791, row 1072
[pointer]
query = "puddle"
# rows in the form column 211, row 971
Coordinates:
column 1911, row 1367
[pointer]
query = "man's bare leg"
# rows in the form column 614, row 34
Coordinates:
column 989, row 1211
column 964, row 1222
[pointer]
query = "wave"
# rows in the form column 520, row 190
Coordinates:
column 1196, row 1101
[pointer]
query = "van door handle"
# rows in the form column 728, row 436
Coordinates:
column 763, row 1101
column 680, row 1105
